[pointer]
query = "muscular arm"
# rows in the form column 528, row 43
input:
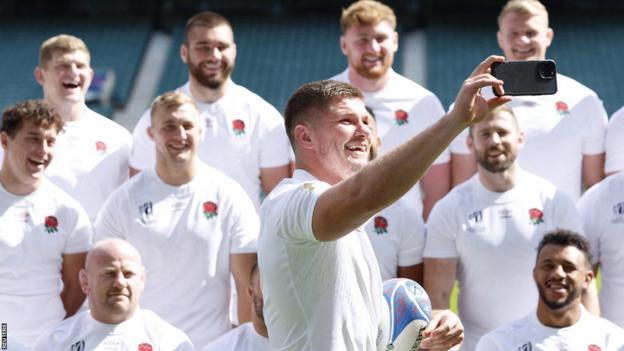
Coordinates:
column 440, row 275
column 240, row 266
column 72, row 295
column 270, row 177
column 463, row 166
column 414, row 272
column 348, row 204
column 435, row 184
column 592, row 169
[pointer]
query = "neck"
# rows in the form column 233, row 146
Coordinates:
column 69, row 111
column 368, row 84
column 176, row 174
column 15, row 185
column 500, row 181
column 318, row 172
column 259, row 326
column 560, row 318
column 112, row 319
column 207, row 95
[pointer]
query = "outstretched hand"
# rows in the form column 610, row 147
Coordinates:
column 444, row 331
column 470, row 107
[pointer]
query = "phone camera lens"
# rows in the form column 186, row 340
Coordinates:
column 547, row 70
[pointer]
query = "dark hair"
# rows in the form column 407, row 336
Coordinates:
column 207, row 19
column 564, row 237
column 315, row 97
column 39, row 112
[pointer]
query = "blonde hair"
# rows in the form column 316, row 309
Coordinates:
column 62, row 43
column 366, row 12
column 171, row 100
column 524, row 7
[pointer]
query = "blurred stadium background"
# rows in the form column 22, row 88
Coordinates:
column 285, row 43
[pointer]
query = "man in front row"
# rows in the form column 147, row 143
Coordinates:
column 113, row 279
column 562, row 272
column 321, row 282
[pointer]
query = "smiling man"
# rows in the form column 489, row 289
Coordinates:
column 495, row 219
column 402, row 108
column 567, row 128
column 113, row 279
column 44, row 234
column 562, row 273
column 92, row 152
column 192, row 225
column 245, row 137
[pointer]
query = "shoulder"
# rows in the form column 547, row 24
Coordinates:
column 569, row 87
column 240, row 95
column 399, row 84
column 154, row 324
column 62, row 331
column 342, row 76
column 105, row 125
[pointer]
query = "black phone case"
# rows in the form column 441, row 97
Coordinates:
column 523, row 78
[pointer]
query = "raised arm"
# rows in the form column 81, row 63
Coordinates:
column 348, row 204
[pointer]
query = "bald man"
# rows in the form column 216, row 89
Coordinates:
column 113, row 279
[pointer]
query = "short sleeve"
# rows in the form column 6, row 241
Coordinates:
column 440, row 235
column 110, row 217
column 275, row 146
column 614, row 146
column 595, row 127
column 586, row 206
column 412, row 239
column 143, row 154
column 297, row 212
column 243, row 224
column 81, row 235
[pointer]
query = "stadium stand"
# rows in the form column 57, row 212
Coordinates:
column 114, row 45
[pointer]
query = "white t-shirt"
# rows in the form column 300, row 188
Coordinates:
column 397, row 235
column 402, row 109
column 242, row 338
column 494, row 236
column 36, row 230
column 145, row 331
column 602, row 209
column 185, row 235
column 90, row 159
column 317, row 295
column 589, row 333
column 242, row 134
column 614, row 161
column 559, row 129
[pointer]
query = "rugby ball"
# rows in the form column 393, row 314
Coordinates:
column 405, row 315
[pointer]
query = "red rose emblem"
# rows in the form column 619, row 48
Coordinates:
column 210, row 209
column 381, row 225
column 562, row 107
column 100, row 146
column 238, row 127
column 400, row 117
column 51, row 224
column 536, row 216
column 145, row 347
column 593, row 347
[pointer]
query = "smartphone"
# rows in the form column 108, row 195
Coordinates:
column 526, row 77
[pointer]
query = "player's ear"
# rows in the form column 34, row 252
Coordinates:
column 303, row 136
column 4, row 140
column 184, row 53
column 84, row 282
column 343, row 45
column 150, row 133
column 38, row 73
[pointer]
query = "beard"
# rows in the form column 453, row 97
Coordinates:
column 495, row 167
column 375, row 72
column 211, row 81
column 555, row 305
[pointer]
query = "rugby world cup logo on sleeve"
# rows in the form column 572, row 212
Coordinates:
column 562, row 108
column 536, row 216
column 400, row 117
column 381, row 225
column 145, row 347
column 238, row 127
column 210, row 209
column 51, row 224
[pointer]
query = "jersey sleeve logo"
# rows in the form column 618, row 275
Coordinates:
column 400, row 117
column 145, row 347
column 210, row 209
column 78, row 346
column 308, row 187
column 51, row 224
column 536, row 216
column 238, row 127
column 146, row 211
column 526, row 347
column 562, row 108
column 100, row 147
column 381, row 225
